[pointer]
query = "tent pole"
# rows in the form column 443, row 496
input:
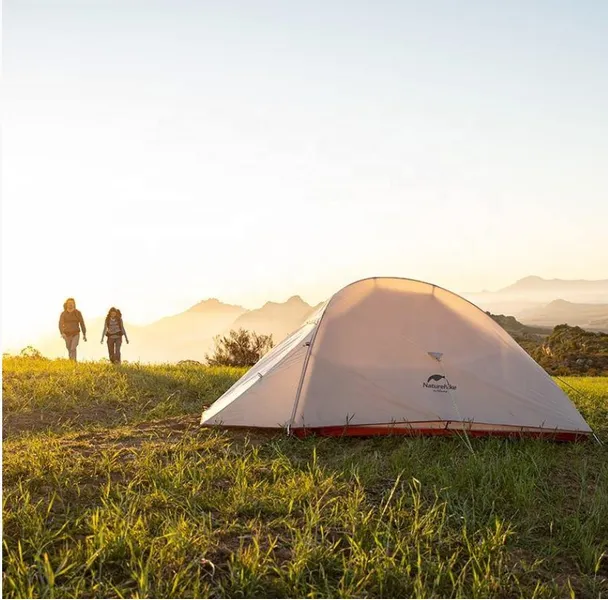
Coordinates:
column 305, row 366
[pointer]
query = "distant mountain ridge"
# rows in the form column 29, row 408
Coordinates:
column 189, row 334
column 276, row 319
column 215, row 305
column 533, row 283
column 535, row 293
column 588, row 316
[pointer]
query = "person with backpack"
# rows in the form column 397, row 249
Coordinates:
column 70, row 325
column 114, row 330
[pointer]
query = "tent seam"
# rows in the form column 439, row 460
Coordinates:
column 305, row 366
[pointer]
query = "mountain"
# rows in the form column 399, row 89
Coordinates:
column 275, row 319
column 588, row 316
column 187, row 335
column 537, row 285
column 206, row 318
column 531, row 293
column 213, row 305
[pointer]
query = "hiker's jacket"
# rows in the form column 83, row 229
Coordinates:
column 71, row 323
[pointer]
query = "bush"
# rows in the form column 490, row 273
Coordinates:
column 573, row 351
column 31, row 352
column 240, row 348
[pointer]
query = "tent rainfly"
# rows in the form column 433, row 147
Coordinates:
column 398, row 356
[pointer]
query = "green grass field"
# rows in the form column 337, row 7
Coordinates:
column 111, row 490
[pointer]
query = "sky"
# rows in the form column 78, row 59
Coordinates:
column 158, row 153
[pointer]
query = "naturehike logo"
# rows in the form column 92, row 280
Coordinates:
column 431, row 383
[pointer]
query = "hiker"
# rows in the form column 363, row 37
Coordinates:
column 70, row 325
column 114, row 329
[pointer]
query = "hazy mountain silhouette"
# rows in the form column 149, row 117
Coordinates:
column 205, row 318
column 186, row 335
column 534, row 292
column 189, row 334
column 276, row 319
column 587, row 316
column 535, row 285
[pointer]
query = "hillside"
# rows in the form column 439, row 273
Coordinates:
column 589, row 316
column 529, row 338
column 112, row 490
column 562, row 350
column 571, row 350
column 514, row 327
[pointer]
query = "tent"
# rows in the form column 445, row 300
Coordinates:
column 397, row 356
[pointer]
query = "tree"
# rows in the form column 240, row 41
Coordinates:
column 240, row 348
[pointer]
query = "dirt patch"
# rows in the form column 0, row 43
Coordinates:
column 174, row 424
column 41, row 420
column 127, row 437
column 162, row 431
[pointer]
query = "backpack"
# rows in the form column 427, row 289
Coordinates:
column 121, row 331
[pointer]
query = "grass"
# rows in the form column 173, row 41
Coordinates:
column 111, row 490
column 59, row 395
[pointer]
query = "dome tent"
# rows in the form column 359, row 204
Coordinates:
column 398, row 356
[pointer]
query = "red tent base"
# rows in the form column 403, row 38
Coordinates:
column 366, row 431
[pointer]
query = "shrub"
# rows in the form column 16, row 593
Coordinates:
column 240, row 348
column 31, row 352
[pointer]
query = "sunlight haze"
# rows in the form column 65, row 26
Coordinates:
column 159, row 153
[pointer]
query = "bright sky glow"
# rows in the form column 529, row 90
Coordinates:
column 157, row 153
